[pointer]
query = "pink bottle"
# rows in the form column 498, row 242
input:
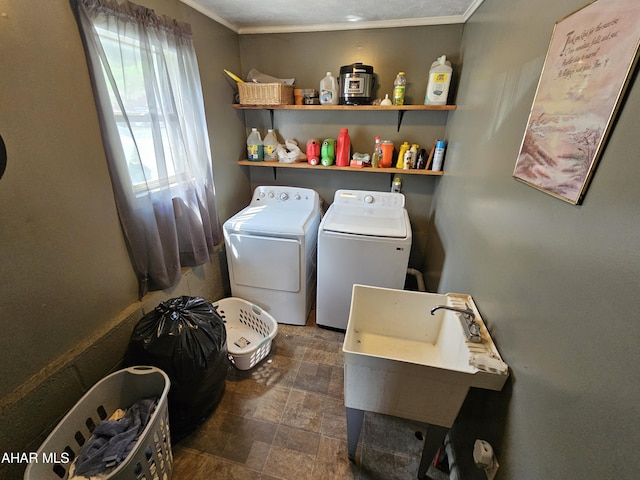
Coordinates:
column 343, row 148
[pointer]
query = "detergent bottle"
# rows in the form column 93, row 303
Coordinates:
column 313, row 151
column 329, row 90
column 403, row 149
column 255, row 147
column 270, row 144
column 343, row 148
column 438, row 83
column 327, row 152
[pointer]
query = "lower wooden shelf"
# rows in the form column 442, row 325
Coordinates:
column 334, row 168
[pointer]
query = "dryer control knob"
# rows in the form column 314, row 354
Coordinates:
column 298, row 197
column 271, row 195
column 368, row 199
column 284, row 196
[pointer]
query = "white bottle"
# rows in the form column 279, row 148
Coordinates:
column 255, row 148
column 329, row 90
column 439, row 81
column 438, row 156
column 414, row 155
column 396, row 185
column 270, row 144
column 406, row 161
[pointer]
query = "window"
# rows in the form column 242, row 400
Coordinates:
column 146, row 83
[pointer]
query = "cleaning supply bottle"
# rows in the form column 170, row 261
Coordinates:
column 406, row 161
column 329, row 90
column 439, row 81
column 438, row 155
column 255, row 147
column 400, row 160
column 343, row 148
column 270, row 143
column 328, row 152
column 399, row 86
column 377, row 153
column 396, row 185
column 387, row 148
column 421, row 163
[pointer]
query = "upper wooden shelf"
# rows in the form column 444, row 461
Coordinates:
column 401, row 109
column 392, row 108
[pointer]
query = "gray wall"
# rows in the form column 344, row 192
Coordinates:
column 557, row 284
column 68, row 294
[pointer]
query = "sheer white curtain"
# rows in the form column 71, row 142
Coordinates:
column 147, row 89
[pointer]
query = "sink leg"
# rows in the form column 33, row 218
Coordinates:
column 432, row 442
column 354, row 425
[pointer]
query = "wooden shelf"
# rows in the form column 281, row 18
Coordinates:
column 393, row 108
column 401, row 109
column 333, row 168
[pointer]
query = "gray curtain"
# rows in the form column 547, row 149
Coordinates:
column 146, row 84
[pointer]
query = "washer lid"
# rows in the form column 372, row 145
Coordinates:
column 377, row 222
column 270, row 219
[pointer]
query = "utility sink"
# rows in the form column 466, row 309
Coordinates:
column 401, row 360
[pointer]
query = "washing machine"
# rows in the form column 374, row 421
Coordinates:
column 365, row 238
column 271, row 248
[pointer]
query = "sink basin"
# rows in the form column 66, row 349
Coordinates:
column 400, row 360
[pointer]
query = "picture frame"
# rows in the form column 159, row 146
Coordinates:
column 591, row 57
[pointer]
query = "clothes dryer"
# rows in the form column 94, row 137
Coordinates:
column 364, row 238
column 271, row 248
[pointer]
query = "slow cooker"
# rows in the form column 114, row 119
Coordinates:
column 356, row 84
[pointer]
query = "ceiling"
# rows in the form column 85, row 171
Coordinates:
column 280, row 16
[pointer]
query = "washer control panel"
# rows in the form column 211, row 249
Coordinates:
column 369, row 198
column 274, row 194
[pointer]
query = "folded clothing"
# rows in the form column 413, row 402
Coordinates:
column 113, row 440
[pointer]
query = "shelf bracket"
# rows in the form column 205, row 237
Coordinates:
column 400, row 116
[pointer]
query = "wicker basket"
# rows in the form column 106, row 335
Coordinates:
column 150, row 457
column 250, row 331
column 265, row 93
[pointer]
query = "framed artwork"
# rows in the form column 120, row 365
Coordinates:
column 591, row 57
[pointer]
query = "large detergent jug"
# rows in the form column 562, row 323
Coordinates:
column 313, row 151
column 269, row 145
column 255, row 147
column 327, row 152
column 329, row 90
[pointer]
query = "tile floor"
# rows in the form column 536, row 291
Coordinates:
column 285, row 419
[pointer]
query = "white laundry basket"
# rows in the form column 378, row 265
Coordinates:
column 150, row 458
column 250, row 331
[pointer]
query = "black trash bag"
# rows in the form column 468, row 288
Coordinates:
column 187, row 339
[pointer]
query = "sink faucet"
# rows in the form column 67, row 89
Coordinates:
column 467, row 319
